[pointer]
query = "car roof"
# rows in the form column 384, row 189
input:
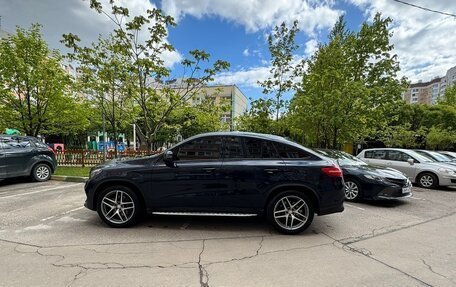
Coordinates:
column 387, row 148
column 245, row 134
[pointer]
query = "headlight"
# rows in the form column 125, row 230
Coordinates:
column 374, row 177
column 95, row 172
column 447, row 171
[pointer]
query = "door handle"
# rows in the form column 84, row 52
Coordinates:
column 209, row 169
column 271, row 170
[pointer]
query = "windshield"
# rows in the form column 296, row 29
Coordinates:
column 419, row 157
column 439, row 157
column 343, row 158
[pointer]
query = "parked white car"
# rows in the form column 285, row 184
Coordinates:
column 419, row 169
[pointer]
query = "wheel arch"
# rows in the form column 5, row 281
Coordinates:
column 426, row 171
column 297, row 187
column 117, row 182
column 41, row 162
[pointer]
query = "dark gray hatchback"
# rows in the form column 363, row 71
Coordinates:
column 25, row 156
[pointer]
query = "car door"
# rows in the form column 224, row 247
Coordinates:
column 18, row 153
column 251, row 167
column 399, row 160
column 2, row 162
column 191, row 181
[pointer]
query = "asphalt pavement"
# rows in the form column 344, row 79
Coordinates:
column 47, row 238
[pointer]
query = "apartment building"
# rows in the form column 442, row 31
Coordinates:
column 230, row 94
column 430, row 92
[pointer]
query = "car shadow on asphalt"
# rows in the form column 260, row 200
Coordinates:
column 12, row 181
column 386, row 203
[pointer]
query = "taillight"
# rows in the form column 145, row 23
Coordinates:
column 332, row 171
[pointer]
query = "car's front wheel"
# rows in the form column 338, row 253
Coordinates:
column 118, row 206
column 41, row 172
column 290, row 212
column 427, row 180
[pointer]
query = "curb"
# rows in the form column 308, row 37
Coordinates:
column 69, row 178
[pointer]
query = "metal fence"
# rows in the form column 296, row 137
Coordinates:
column 80, row 157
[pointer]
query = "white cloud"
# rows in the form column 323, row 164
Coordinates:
column 246, row 52
column 311, row 47
column 424, row 41
column 255, row 15
column 70, row 16
column 246, row 78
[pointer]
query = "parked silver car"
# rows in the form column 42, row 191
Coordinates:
column 450, row 154
column 419, row 169
column 436, row 156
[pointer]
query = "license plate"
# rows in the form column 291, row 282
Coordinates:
column 406, row 190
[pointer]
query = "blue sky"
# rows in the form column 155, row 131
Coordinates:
column 234, row 30
column 244, row 49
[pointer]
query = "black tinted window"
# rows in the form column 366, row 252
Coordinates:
column 232, row 148
column 288, row 151
column 376, row 154
column 199, row 149
column 256, row 148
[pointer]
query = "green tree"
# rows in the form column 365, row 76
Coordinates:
column 349, row 86
column 106, row 81
column 449, row 98
column 35, row 93
column 258, row 118
column 281, row 45
column 143, row 41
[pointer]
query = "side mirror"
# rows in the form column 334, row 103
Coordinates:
column 168, row 156
column 411, row 161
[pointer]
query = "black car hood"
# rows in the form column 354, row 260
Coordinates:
column 375, row 170
column 127, row 162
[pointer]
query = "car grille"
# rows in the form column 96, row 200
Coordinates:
column 400, row 182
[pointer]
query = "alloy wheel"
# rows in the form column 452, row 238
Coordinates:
column 42, row 172
column 351, row 190
column 291, row 212
column 426, row 181
column 117, row 207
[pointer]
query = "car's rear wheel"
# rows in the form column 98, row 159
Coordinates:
column 290, row 212
column 41, row 172
column 427, row 180
column 118, row 206
column 352, row 190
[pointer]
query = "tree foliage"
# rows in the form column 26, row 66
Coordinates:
column 282, row 46
column 349, row 86
column 142, row 39
column 35, row 92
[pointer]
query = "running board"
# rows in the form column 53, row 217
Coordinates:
column 206, row 214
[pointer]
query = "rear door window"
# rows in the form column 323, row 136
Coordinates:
column 258, row 148
column 232, row 148
column 291, row 152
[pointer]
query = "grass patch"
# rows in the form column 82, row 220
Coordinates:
column 72, row 171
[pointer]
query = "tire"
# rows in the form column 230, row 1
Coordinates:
column 41, row 172
column 118, row 206
column 289, row 207
column 353, row 191
column 427, row 180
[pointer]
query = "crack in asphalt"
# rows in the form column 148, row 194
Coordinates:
column 368, row 254
column 203, row 275
column 372, row 234
column 435, row 272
